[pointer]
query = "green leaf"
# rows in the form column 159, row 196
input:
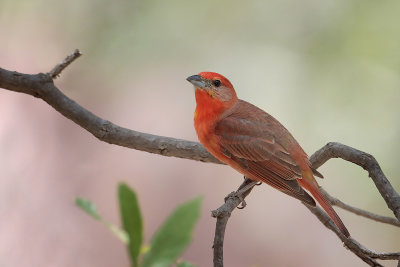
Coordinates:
column 131, row 220
column 91, row 209
column 88, row 206
column 185, row 264
column 173, row 236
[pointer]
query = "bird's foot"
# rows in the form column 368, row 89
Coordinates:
column 232, row 194
column 259, row 183
column 242, row 204
column 242, row 192
column 237, row 194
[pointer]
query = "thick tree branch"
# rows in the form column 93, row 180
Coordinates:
column 42, row 86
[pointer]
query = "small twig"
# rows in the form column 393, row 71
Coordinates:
column 372, row 254
column 376, row 255
column 61, row 66
column 379, row 218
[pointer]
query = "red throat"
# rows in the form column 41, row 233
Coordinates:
column 207, row 107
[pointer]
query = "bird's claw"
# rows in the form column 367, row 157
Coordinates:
column 259, row 183
column 242, row 203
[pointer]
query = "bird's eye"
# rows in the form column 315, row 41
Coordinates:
column 217, row 83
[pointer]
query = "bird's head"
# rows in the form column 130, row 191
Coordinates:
column 212, row 87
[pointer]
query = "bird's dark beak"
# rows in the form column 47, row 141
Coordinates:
column 197, row 81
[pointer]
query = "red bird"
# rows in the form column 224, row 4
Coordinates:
column 253, row 142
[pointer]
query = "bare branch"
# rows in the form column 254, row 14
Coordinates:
column 368, row 163
column 363, row 253
column 223, row 213
column 42, row 86
column 379, row 218
column 61, row 66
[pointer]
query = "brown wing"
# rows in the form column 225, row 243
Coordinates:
column 252, row 138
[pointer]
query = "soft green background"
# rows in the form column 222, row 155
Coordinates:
column 328, row 70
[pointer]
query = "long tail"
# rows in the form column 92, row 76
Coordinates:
column 325, row 205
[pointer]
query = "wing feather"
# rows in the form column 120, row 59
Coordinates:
column 255, row 144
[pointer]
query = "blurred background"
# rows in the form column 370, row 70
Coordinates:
column 328, row 70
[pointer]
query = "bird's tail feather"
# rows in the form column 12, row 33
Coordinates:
column 316, row 193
